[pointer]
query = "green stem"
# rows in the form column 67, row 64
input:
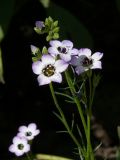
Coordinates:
column 63, row 118
column 73, row 91
column 28, row 157
column 89, row 111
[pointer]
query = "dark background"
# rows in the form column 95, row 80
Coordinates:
column 22, row 101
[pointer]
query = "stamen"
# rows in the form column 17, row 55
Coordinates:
column 28, row 133
column 62, row 50
column 87, row 62
column 20, row 146
column 49, row 70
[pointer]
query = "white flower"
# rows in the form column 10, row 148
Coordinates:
column 28, row 132
column 49, row 69
column 19, row 146
column 64, row 49
column 84, row 60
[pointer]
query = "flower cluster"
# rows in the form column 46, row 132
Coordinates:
column 59, row 56
column 21, row 143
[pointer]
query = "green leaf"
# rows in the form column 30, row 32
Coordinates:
column 50, row 157
column 55, row 23
column 45, row 3
column 1, row 68
column 44, row 50
column 1, row 34
column 56, row 29
column 96, row 80
column 55, row 36
column 63, row 94
column 6, row 12
column 70, row 26
column 118, row 154
column 48, row 38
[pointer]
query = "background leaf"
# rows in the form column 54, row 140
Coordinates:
column 45, row 3
column 6, row 12
column 1, row 68
column 70, row 27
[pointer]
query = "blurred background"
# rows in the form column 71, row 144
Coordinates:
column 88, row 23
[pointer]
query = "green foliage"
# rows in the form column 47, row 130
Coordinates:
column 1, row 34
column 6, row 12
column 44, row 50
column 45, row 3
column 96, row 80
column 51, row 29
column 70, row 26
column 118, row 154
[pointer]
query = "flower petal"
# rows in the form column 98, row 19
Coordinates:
column 96, row 64
column 55, row 43
column 67, row 44
column 61, row 66
column 74, row 61
column 26, row 148
column 47, row 59
column 37, row 131
column 22, row 129
column 39, row 24
column 21, row 134
column 65, row 57
column 19, row 153
column 79, row 70
column 85, row 51
column 74, row 51
column 53, row 51
column 42, row 80
column 16, row 140
column 56, row 78
column 97, row 56
column 37, row 67
column 12, row 148
column 32, row 126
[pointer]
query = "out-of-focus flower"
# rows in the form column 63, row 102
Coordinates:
column 85, row 61
column 64, row 49
column 49, row 69
column 19, row 146
column 39, row 24
column 28, row 132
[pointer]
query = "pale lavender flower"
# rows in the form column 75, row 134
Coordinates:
column 64, row 49
column 85, row 61
column 49, row 69
column 19, row 146
column 28, row 132
column 39, row 24
column 34, row 49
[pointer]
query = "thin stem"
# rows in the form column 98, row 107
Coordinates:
column 63, row 118
column 89, row 111
column 28, row 157
column 73, row 91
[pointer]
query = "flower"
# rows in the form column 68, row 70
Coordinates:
column 84, row 60
column 64, row 49
column 28, row 132
column 19, row 146
column 34, row 49
column 49, row 69
column 39, row 24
